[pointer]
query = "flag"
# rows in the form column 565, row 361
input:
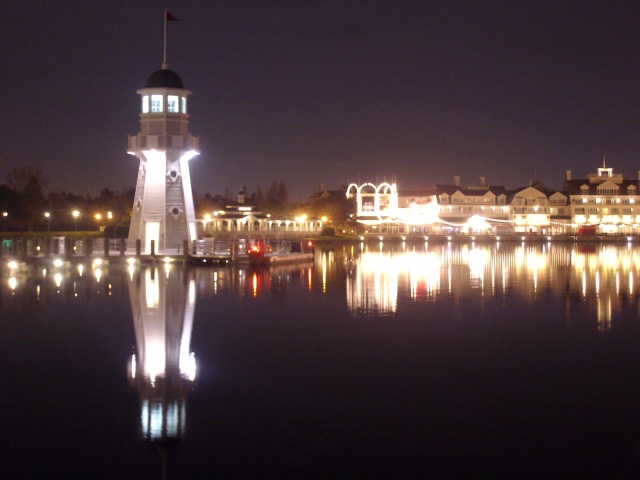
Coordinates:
column 169, row 18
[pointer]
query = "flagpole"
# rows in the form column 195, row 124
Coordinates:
column 164, row 44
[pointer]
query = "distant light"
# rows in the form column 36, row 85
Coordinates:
column 12, row 265
column 167, row 260
column 131, row 261
column 629, row 239
column 57, row 263
column 498, row 238
column 523, row 239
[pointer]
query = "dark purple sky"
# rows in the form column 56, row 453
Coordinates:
column 327, row 91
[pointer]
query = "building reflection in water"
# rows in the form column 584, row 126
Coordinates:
column 603, row 274
column 162, row 302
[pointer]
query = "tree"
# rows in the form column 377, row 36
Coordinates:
column 27, row 182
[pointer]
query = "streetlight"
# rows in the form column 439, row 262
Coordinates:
column 98, row 217
column 47, row 215
column 109, row 218
column 75, row 214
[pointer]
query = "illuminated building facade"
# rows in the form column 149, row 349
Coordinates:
column 163, row 216
column 602, row 203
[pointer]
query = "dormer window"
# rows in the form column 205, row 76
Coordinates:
column 584, row 189
column 631, row 190
column 156, row 103
column 172, row 103
column 145, row 104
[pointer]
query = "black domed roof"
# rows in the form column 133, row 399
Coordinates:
column 164, row 78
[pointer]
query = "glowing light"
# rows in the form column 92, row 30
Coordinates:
column 57, row 263
column 13, row 265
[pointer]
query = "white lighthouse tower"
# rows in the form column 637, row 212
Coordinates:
column 163, row 215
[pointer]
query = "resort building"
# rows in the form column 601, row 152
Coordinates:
column 602, row 203
column 240, row 217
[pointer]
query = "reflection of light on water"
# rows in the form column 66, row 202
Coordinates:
column 375, row 285
column 255, row 284
column 152, row 290
column 604, row 314
column 377, row 279
column 57, row 278
column 324, row 271
column 477, row 260
column 163, row 308
column 13, row 283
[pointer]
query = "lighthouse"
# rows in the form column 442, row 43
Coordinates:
column 163, row 216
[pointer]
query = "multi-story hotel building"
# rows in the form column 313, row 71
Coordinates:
column 601, row 203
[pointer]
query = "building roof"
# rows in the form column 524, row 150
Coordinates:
column 416, row 193
column 572, row 187
column 471, row 192
column 164, row 78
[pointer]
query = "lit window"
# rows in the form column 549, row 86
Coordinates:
column 172, row 103
column 184, row 104
column 156, row 103
column 145, row 104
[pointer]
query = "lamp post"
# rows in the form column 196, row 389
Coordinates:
column 98, row 217
column 75, row 214
column 47, row 215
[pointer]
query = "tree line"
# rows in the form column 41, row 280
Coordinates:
column 27, row 206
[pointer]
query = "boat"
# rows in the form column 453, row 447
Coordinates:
column 275, row 252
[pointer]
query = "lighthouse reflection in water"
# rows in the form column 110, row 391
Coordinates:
column 162, row 369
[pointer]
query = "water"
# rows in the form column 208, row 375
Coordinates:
column 390, row 361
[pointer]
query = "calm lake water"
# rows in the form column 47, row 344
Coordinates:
column 384, row 361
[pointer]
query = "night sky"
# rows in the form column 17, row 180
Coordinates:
column 328, row 91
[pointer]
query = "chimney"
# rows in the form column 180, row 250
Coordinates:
column 483, row 181
column 456, row 180
column 568, row 177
